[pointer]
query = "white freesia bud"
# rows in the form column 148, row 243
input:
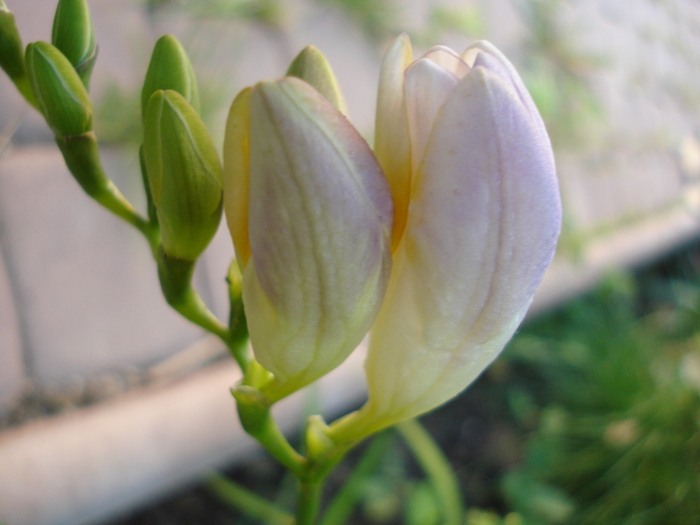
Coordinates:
column 310, row 215
column 472, row 174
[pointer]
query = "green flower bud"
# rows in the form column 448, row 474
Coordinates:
column 11, row 54
column 74, row 37
column 313, row 68
column 170, row 68
column 61, row 96
column 184, row 175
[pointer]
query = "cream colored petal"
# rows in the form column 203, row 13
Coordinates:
column 236, row 167
column 483, row 225
column 320, row 224
column 448, row 59
column 428, row 85
column 392, row 144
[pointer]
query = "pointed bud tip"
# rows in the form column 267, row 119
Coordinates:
column 170, row 69
column 74, row 36
column 312, row 67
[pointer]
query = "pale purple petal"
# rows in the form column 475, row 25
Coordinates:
column 319, row 224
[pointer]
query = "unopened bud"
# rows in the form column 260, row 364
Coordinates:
column 170, row 68
column 59, row 92
column 184, row 175
column 11, row 55
column 313, row 68
column 73, row 36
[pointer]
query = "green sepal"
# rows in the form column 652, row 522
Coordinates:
column 175, row 276
column 74, row 36
column 184, row 175
column 60, row 94
column 256, row 376
column 253, row 408
column 170, row 68
column 254, row 414
column 313, row 68
column 318, row 443
column 237, row 321
column 12, row 53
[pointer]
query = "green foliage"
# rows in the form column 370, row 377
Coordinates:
column 376, row 17
column 266, row 12
column 616, row 398
column 482, row 517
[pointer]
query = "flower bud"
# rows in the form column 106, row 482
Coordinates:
column 170, row 68
column 310, row 215
column 11, row 53
column 58, row 90
column 73, row 36
column 481, row 225
column 313, row 68
column 184, row 175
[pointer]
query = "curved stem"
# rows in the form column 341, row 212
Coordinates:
column 248, row 502
column 437, row 467
column 175, row 277
column 255, row 417
column 342, row 505
column 83, row 160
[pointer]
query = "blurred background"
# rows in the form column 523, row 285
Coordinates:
column 112, row 405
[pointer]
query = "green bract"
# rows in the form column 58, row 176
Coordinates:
column 73, row 35
column 59, row 92
column 170, row 68
column 313, row 68
column 184, row 175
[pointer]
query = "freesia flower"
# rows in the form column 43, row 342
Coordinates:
column 310, row 214
column 477, row 216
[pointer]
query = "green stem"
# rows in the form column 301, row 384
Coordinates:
column 175, row 281
column 343, row 503
column 83, row 160
column 440, row 474
column 256, row 419
column 237, row 345
column 309, row 501
column 248, row 502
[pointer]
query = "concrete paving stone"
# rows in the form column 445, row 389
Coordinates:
column 12, row 376
column 87, row 290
